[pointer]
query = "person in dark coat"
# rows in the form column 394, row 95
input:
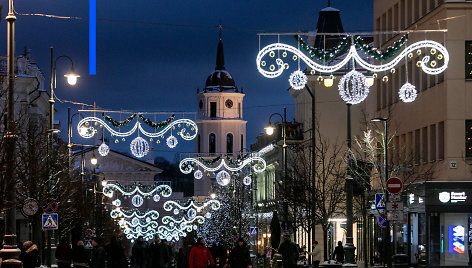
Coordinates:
column 80, row 256
column 289, row 252
column 30, row 255
column 165, row 254
column 154, row 253
column 140, row 253
column 115, row 254
column 239, row 256
column 339, row 252
column 184, row 254
column 98, row 254
column 63, row 254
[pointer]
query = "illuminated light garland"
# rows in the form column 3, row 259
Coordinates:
column 119, row 213
column 264, row 150
column 136, row 222
column 223, row 178
column 139, row 147
column 407, row 92
column 297, row 80
column 103, row 149
column 186, row 165
column 137, row 201
column 172, row 141
column 182, row 223
column 170, row 204
column 162, row 189
column 352, row 87
column 247, row 180
column 351, row 54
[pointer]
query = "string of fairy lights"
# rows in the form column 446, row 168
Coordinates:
column 187, row 216
column 272, row 60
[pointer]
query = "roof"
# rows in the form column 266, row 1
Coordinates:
column 220, row 79
column 329, row 21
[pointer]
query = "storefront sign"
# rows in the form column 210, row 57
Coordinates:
column 448, row 196
column 452, row 197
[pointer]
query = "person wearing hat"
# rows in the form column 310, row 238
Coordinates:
column 239, row 256
column 200, row 255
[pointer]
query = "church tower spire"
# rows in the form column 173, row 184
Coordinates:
column 220, row 56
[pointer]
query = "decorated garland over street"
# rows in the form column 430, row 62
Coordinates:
column 321, row 54
column 384, row 54
column 187, row 165
column 137, row 188
column 148, row 122
column 116, row 123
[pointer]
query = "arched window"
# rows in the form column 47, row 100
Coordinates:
column 229, row 143
column 212, row 144
column 242, row 143
column 198, row 144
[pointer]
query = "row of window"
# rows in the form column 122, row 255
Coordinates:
column 403, row 14
column 228, row 103
column 427, row 144
column 212, row 143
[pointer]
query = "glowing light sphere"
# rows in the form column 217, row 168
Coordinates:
column 156, row 198
column 247, row 180
column 103, row 149
column 176, row 211
column 172, row 141
column 139, row 229
column 191, row 213
column 223, row 178
column 137, row 201
column 198, row 174
column 352, row 87
column 135, row 221
column 298, row 80
column 139, row 147
column 195, row 227
column 407, row 92
column 148, row 219
column 117, row 202
column 208, row 215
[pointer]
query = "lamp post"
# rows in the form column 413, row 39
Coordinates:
column 386, row 239
column 10, row 251
column 269, row 131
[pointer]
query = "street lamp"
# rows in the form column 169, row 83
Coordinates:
column 269, row 131
column 93, row 160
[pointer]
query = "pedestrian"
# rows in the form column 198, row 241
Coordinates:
column 140, row 253
column 289, row 252
column 30, row 255
column 184, row 254
column 239, row 256
column 98, row 254
column 80, row 256
column 316, row 253
column 115, row 254
column 200, row 255
column 339, row 252
column 63, row 253
column 154, row 253
column 173, row 255
column 164, row 254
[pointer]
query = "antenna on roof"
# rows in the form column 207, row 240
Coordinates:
column 221, row 30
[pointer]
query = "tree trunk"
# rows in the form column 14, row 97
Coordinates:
column 325, row 242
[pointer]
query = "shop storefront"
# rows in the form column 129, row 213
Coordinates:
column 440, row 224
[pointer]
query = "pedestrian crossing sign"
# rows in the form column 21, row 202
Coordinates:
column 88, row 244
column 50, row 221
column 253, row 231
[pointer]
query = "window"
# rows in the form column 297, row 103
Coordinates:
column 229, row 143
column 212, row 109
column 424, row 80
column 384, row 94
column 212, row 144
column 441, row 141
column 242, row 142
column 432, row 4
column 239, row 110
column 417, row 9
column 432, row 80
column 417, row 81
column 409, row 9
column 468, row 138
column 198, row 144
column 402, row 15
column 417, row 147
column 378, row 96
column 468, row 59
column 432, row 143
column 395, row 18
column 425, row 144
column 424, row 7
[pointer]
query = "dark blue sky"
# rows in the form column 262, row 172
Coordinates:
column 152, row 55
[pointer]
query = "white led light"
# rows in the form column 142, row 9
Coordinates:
column 162, row 189
column 247, row 180
column 176, row 211
column 103, row 149
column 170, row 204
column 198, row 174
column 119, row 213
column 139, row 147
column 172, row 141
column 407, row 92
column 297, row 80
column 223, row 178
column 117, row 202
column 259, row 165
column 156, row 198
column 208, row 215
column 352, row 87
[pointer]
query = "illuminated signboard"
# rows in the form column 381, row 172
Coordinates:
column 456, row 239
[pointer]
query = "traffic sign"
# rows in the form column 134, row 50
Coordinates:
column 394, row 185
column 88, row 233
column 379, row 201
column 236, row 238
column 382, row 221
column 49, row 206
column 50, row 221
column 253, row 231
column 391, row 206
column 88, row 244
column 395, row 215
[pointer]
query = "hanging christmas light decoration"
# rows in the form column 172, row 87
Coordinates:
column 156, row 198
column 198, row 174
column 407, row 92
column 119, row 213
column 137, row 201
column 352, row 87
column 191, row 213
column 143, row 190
column 297, row 80
column 103, row 149
column 187, row 130
column 212, row 203
column 247, row 180
column 223, row 178
column 187, row 165
column 139, row 147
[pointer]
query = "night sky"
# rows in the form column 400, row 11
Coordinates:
column 153, row 55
